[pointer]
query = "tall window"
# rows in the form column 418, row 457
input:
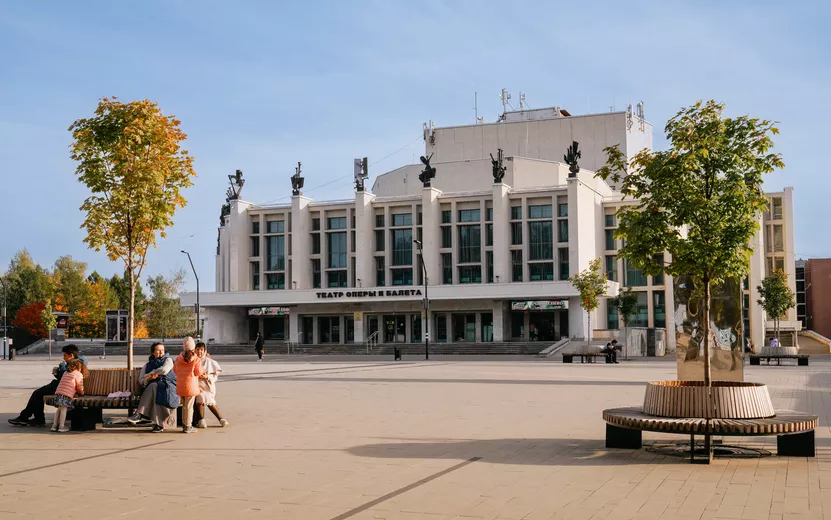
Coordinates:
column 337, row 250
column 777, row 208
column 540, row 236
column 379, row 240
column 612, row 317
column 446, row 237
column 380, row 271
column 641, row 316
column 336, row 223
column 469, row 215
column 402, row 276
column 315, row 243
column 610, row 220
column 778, row 238
column 659, row 309
column 564, row 272
column 610, row 239
column 658, row 279
column 489, row 265
column 611, row 268
column 379, row 220
column 516, row 265
column 402, row 246
column 470, row 245
column 255, row 246
column 255, row 227
column 315, row 224
column 255, row 276
column 316, row 273
column 633, row 277
column 562, row 234
column 276, row 247
column 489, row 234
column 447, row 268
column 516, row 233
column 470, row 274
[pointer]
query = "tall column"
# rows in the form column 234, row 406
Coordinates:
column 498, row 316
column 430, row 235
column 501, row 236
column 301, row 226
column 294, row 326
column 238, row 244
column 364, row 238
column 359, row 328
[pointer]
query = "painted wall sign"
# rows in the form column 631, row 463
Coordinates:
column 540, row 305
column 268, row 311
column 368, row 294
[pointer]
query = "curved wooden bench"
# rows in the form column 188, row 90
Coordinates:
column 794, row 430
column 730, row 399
column 98, row 385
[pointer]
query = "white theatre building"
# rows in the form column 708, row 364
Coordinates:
column 497, row 254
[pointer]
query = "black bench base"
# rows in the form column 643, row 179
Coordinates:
column 623, row 438
column 796, row 445
column 801, row 360
column 84, row 419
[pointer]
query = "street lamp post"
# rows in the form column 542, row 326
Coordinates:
column 5, row 329
column 426, row 301
column 198, row 322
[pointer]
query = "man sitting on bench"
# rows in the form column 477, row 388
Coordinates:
column 611, row 353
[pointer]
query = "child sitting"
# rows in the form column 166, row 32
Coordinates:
column 72, row 384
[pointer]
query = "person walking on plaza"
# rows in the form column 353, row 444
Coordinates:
column 258, row 346
column 72, row 384
column 33, row 414
column 207, row 386
column 188, row 370
column 158, row 399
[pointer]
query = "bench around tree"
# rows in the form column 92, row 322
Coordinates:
column 98, row 385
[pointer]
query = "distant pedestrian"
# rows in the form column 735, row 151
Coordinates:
column 72, row 384
column 188, row 370
column 207, row 386
column 258, row 346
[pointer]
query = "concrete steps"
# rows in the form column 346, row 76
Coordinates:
column 813, row 343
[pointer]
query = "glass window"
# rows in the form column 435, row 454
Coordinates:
column 516, row 212
column 420, row 219
column 516, row 233
column 489, row 234
column 415, row 328
column 464, row 327
column 611, row 268
column 379, row 220
column 469, row 215
column 610, row 220
column 610, row 240
column 380, row 271
column 489, row 214
column 349, row 325
column 255, row 246
column 562, row 209
column 255, row 227
column 489, row 264
column 659, row 309
column 487, row 327
column 276, row 226
column 402, row 246
column 777, row 208
column 274, row 328
column 328, row 329
column 379, row 240
column 612, row 320
column 316, row 273
column 541, row 238
column 315, row 224
column 562, row 232
column 778, row 238
column 336, row 223
column 446, row 216
column 419, row 270
column 336, row 278
column 352, row 222
column 564, row 273
column 658, row 279
column 779, row 263
column 276, row 249
column 315, row 243
column 352, row 240
column 470, row 250
column 633, row 277
column 470, row 274
column 516, row 265
column 402, row 276
column 541, row 271
column 337, row 250
column 275, row 281
column 641, row 316
column 255, row 276
column 540, row 211
column 446, row 237
column 402, row 219
column 447, row 268
column 441, row 328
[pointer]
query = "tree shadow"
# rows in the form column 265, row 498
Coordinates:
column 535, row 452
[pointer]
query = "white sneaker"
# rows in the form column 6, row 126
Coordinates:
column 54, row 428
column 224, row 422
column 64, row 429
column 202, row 424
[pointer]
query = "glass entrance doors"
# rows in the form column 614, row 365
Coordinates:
column 395, row 329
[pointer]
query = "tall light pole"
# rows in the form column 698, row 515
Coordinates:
column 426, row 302
column 198, row 322
column 5, row 330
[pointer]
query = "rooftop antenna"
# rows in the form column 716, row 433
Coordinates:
column 476, row 106
column 505, row 97
column 521, row 101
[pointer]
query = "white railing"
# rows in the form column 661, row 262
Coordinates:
column 292, row 342
column 371, row 342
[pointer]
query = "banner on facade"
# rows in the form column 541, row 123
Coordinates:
column 268, row 311
column 540, row 305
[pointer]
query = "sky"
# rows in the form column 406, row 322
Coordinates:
column 259, row 86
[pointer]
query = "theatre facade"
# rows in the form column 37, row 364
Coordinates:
column 498, row 217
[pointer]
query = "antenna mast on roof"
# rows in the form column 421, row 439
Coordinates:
column 521, row 101
column 505, row 97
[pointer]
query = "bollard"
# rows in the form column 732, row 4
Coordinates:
column 12, row 354
column 396, row 353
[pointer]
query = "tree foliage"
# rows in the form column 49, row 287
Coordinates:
column 72, row 290
column 30, row 318
column 699, row 200
column 626, row 304
column 130, row 157
column 27, row 283
column 591, row 283
column 776, row 297
column 166, row 318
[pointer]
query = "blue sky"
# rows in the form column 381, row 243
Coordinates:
column 261, row 85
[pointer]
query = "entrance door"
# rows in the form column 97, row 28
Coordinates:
column 395, row 329
column 564, row 324
column 372, row 326
column 253, row 328
column 543, row 326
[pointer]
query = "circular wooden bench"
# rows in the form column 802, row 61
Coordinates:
column 98, row 385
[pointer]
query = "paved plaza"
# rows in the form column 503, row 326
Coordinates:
column 368, row 438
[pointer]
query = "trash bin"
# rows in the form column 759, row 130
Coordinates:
column 12, row 354
column 397, row 353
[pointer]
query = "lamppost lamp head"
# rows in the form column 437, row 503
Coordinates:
column 185, row 252
column 417, row 242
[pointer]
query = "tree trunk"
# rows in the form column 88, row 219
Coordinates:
column 708, row 414
column 131, row 320
column 589, row 333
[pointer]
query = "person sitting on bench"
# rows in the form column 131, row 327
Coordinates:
column 611, row 353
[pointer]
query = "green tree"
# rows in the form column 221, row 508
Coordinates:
column 130, row 157
column 27, row 282
column 166, row 316
column 49, row 322
column 626, row 304
column 776, row 297
column 591, row 284
column 699, row 200
column 121, row 288
column 72, row 290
